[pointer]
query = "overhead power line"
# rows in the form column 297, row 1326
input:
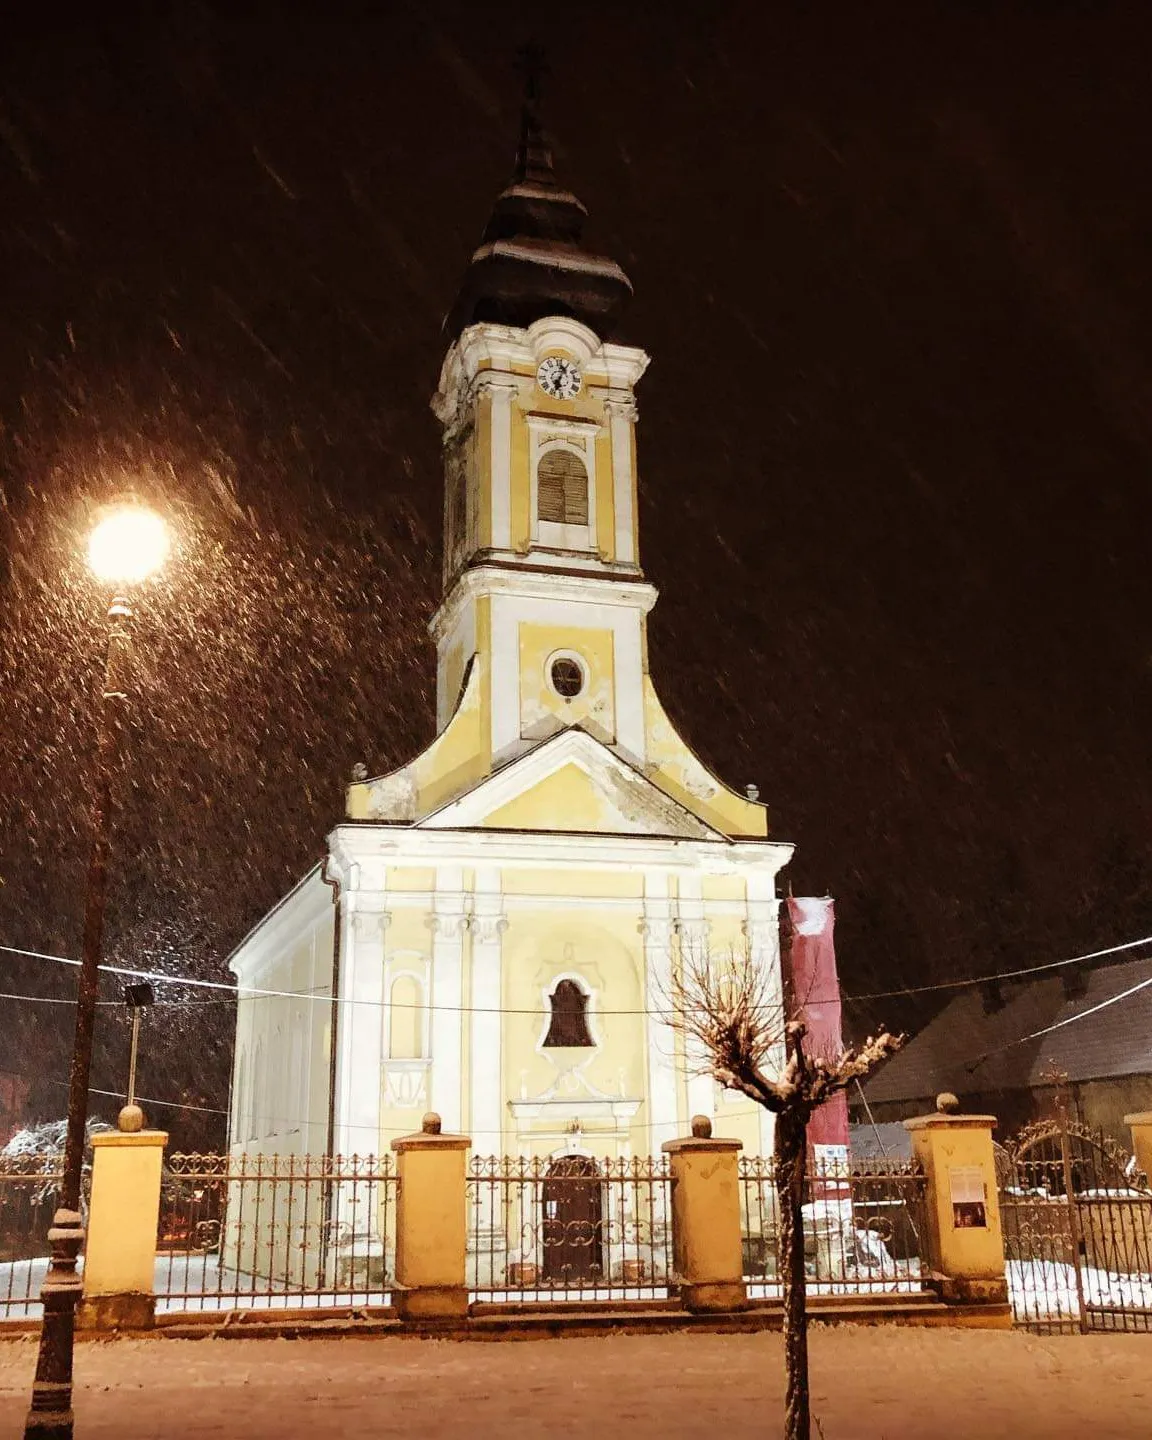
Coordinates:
column 1060, row 1024
column 231, row 993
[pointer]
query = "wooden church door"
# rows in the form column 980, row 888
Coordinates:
column 573, row 1222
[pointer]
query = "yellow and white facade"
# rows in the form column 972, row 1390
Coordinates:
column 557, row 832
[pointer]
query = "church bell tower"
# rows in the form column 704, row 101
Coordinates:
column 543, row 589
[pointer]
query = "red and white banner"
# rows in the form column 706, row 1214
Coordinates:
column 816, row 1001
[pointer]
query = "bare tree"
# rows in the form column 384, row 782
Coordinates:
column 734, row 1020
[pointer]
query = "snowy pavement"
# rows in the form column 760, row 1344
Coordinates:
column 869, row 1383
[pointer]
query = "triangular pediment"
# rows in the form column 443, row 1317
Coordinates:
column 571, row 783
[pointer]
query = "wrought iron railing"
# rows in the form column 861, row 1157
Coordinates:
column 568, row 1229
column 275, row 1232
column 29, row 1187
column 864, row 1227
column 1077, row 1221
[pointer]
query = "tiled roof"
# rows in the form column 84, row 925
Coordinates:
column 884, row 1141
column 962, row 1048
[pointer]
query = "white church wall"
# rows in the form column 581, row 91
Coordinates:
column 281, row 1061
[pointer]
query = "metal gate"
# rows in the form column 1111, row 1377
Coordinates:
column 1077, row 1221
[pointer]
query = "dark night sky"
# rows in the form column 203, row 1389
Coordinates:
column 892, row 266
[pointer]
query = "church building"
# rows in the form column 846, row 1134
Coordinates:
column 492, row 931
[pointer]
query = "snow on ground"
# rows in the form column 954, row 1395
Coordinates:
column 181, row 1283
column 1044, row 1289
column 196, row 1283
column 1040, row 1289
column 869, row 1383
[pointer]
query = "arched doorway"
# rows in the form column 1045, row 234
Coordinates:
column 573, row 1226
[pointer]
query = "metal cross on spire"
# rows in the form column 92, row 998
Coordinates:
column 531, row 61
column 534, row 156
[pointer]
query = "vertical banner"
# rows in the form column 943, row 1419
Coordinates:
column 816, row 1001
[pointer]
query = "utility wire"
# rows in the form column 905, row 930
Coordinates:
column 232, row 992
column 1021, row 1040
column 1060, row 1024
column 646, row 1125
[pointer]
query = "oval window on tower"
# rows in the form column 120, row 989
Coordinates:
column 566, row 676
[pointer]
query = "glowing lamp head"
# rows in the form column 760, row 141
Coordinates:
column 128, row 544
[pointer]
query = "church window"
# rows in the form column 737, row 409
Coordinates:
column 566, row 676
column 562, row 488
column 569, row 1026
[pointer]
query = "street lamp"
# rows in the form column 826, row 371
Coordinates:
column 128, row 544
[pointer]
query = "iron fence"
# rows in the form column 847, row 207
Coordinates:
column 29, row 1186
column 1077, row 1223
column 569, row 1229
column 275, row 1232
column 864, row 1227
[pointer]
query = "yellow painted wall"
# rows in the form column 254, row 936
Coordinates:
column 589, row 883
column 458, row 757
column 461, row 754
column 680, row 774
column 566, row 800
column 407, row 948
column 722, row 887
column 404, row 879
column 605, row 497
column 541, row 709
column 453, row 664
column 603, row 949
column 408, row 930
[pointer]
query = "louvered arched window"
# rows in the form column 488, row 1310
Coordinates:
column 562, row 488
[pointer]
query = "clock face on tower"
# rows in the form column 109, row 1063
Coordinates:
column 559, row 377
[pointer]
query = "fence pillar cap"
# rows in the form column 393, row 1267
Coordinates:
column 1141, row 1117
column 428, row 1139
column 129, row 1137
column 941, row 1121
column 700, row 1143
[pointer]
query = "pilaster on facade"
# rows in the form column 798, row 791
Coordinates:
column 361, row 1023
column 694, row 931
column 449, row 924
column 486, row 1085
column 621, row 414
column 657, row 931
column 500, row 393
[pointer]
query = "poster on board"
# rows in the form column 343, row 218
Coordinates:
column 966, row 1189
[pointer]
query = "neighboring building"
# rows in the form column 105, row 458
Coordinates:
column 508, row 906
column 970, row 1048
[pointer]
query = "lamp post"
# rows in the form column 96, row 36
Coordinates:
column 127, row 545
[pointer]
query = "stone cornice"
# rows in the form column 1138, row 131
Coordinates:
column 544, row 584
column 525, row 849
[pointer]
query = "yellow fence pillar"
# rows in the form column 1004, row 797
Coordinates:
column 706, row 1249
column 120, row 1242
column 1141, row 1127
column 965, row 1242
column 431, row 1224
